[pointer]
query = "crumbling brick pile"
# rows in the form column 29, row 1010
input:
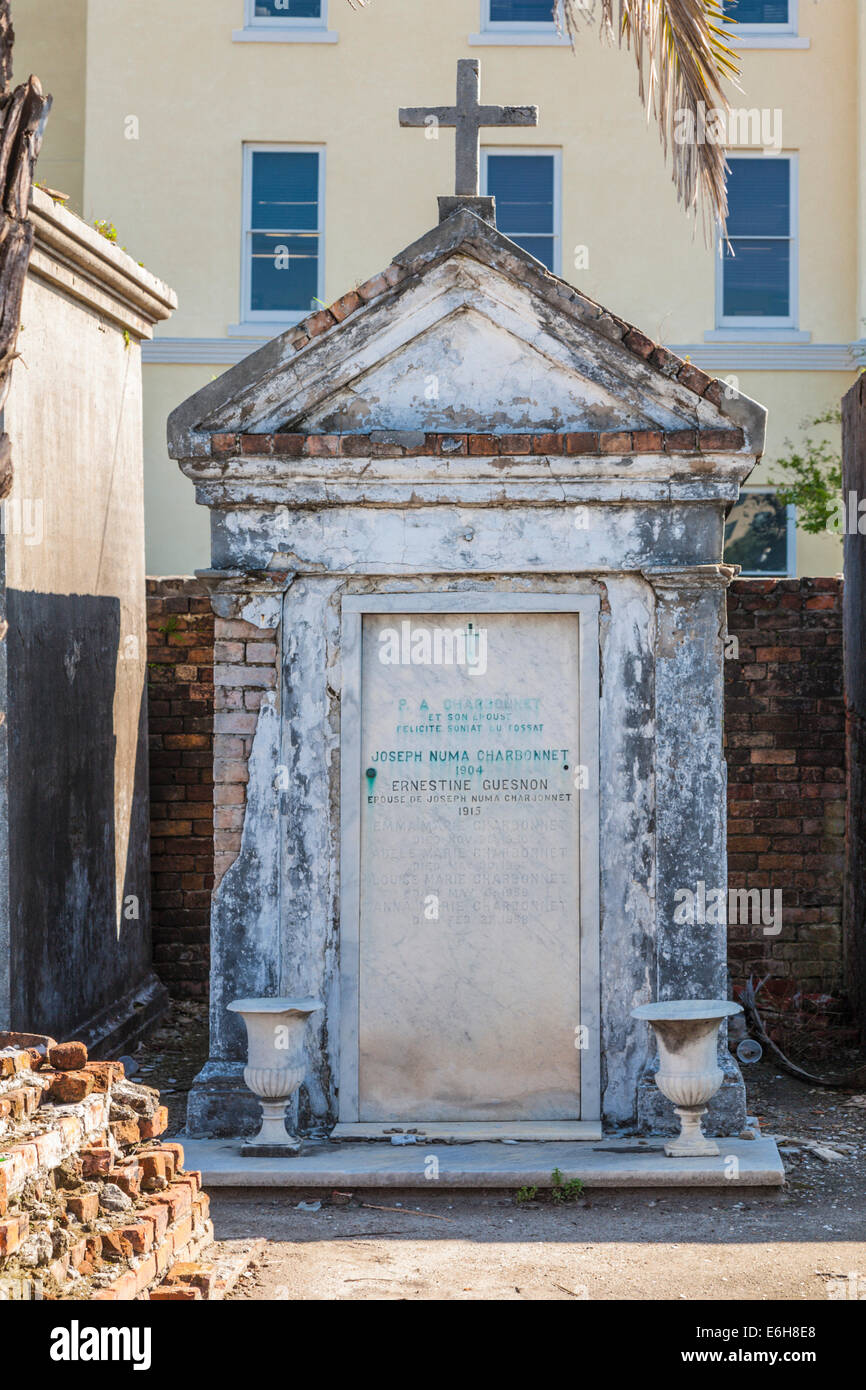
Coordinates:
column 93, row 1205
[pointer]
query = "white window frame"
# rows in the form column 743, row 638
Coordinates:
column 283, row 28
column 752, row 321
column 763, row 30
column 515, row 150
column 254, row 21
column 769, row 35
column 790, row 537
column 250, row 316
column 501, row 26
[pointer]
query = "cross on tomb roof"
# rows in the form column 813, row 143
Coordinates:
column 467, row 117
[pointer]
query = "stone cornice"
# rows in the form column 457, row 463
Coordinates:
column 691, row 576
column 433, row 470
column 76, row 259
column 246, row 581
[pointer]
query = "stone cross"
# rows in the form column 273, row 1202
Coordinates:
column 467, row 117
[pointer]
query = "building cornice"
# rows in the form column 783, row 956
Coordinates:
column 73, row 257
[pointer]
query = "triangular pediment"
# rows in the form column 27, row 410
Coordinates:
column 464, row 332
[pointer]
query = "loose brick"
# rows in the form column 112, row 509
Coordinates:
column 125, row 1132
column 156, row 1125
column 83, row 1206
column 176, row 1150
column 159, row 1216
column 127, row 1178
column 104, row 1074
column 95, row 1162
column 70, row 1056
column 10, row 1236
column 154, row 1168
column 69, row 1087
column 115, row 1246
column 140, row 1236
column 178, row 1198
column 145, row 1273
column 194, row 1275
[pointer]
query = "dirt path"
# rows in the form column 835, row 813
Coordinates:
column 798, row 1244
column 606, row 1247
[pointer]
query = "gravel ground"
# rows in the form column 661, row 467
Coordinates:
column 807, row 1241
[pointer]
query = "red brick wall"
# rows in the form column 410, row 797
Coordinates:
column 180, row 629
column 785, row 736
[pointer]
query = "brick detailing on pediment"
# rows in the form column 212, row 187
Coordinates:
column 390, row 444
column 636, row 342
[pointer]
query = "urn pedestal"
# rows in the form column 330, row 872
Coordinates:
column 689, row 1074
column 275, row 1067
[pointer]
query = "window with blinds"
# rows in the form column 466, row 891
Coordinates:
column 758, row 259
column 283, row 269
column 526, row 189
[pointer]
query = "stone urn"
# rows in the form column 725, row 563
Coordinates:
column 689, row 1073
column 275, row 1066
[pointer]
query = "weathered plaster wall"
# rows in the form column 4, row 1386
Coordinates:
column 79, row 916
column 281, row 866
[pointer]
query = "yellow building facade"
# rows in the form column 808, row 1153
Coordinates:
column 167, row 117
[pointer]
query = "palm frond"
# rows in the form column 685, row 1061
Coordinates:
column 683, row 60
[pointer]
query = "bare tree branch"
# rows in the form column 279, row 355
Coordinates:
column 23, row 113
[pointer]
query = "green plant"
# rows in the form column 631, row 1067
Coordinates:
column 172, row 624
column 812, row 476
column 526, row 1194
column 565, row 1191
column 106, row 229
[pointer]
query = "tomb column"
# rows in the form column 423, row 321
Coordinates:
column 691, row 814
column 245, row 937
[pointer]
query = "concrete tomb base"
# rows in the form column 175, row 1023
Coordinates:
column 610, row 1163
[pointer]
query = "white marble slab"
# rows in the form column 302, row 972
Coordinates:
column 462, row 980
column 611, row 1163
